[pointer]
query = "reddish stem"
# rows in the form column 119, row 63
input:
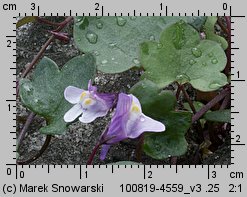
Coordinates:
column 90, row 160
column 42, row 20
column 24, row 130
column 210, row 104
column 188, row 99
column 42, row 50
column 35, row 157
column 139, row 148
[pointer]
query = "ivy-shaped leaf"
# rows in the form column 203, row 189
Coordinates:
column 210, row 32
column 115, row 40
column 181, row 56
column 161, row 107
column 44, row 93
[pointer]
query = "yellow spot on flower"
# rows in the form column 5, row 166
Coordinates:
column 83, row 94
column 135, row 108
column 88, row 101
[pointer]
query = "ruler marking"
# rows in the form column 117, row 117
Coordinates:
column 144, row 171
column 80, row 171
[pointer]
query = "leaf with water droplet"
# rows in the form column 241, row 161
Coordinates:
column 43, row 94
column 121, row 21
column 210, row 32
column 183, row 58
column 160, row 105
column 128, row 35
column 214, row 61
column 99, row 25
column 196, row 52
column 92, row 37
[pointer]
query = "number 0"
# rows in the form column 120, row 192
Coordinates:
column 224, row 6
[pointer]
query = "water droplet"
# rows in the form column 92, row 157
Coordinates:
column 99, row 25
column 133, row 18
column 92, row 37
column 183, row 78
column 159, row 46
column 210, row 55
column 214, row 61
column 27, row 88
column 204, row 63
column 192, row 62
column 113, row 45
column 181, row 22
column 96, row 53
column 78, row 39
column 215, row 85
column 152, row 37
column 79, row 19
column 142, row 119
column 112, row 58
column 104, row 61
column 121, row 21
column 196, row 52
column 136, row 61
column 36, row 100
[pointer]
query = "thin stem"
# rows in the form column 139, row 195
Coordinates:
column 35, row 157
column 42, row 20
column 178, row 92
column 225, row 102
column 139, row 148
column 42, row 50
column 210, row 104
column 90, row 160
column 24, row 130
column 188, row 99
column 222, row 26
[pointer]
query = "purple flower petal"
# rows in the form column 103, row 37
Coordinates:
column 72, row 94
column 91, row 88
column 144, row 124
column 118, row 123
column 104, row 151
column 73, row 113
column 107, row 98
column 90, row 116
column 128, row 122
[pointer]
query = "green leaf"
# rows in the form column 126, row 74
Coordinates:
column 210, row 32
column 198, row 105
column 219, row 116
column 44, row 93
column 181, row 56
column 161, row 107
column 125, row 163
column 115, row 40
column 25, row 20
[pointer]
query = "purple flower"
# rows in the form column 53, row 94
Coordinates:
column 128, row 122
column 89, row 103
